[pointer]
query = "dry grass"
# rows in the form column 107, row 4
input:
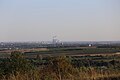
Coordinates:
column 88, row 74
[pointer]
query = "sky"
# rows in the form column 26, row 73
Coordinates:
column 69, row 20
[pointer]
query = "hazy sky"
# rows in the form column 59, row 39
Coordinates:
column 70, row 20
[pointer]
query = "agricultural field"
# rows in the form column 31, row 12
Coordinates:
column 61, row 64
column 78, row 51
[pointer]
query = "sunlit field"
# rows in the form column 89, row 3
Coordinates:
column 61, row 64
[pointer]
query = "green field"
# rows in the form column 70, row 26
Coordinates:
column 74, row 51
column 61, row 64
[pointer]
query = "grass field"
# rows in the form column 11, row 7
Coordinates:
column 75, row 52
column 78, row 51
column 60, row 64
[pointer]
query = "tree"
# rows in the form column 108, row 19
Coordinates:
column 60, row 68
column 19, row 63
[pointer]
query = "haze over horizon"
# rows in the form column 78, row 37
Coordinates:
column 70, row 20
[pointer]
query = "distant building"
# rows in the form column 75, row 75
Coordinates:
column 55, row 40
column 90, row 45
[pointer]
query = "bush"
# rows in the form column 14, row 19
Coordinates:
column 16, row 63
